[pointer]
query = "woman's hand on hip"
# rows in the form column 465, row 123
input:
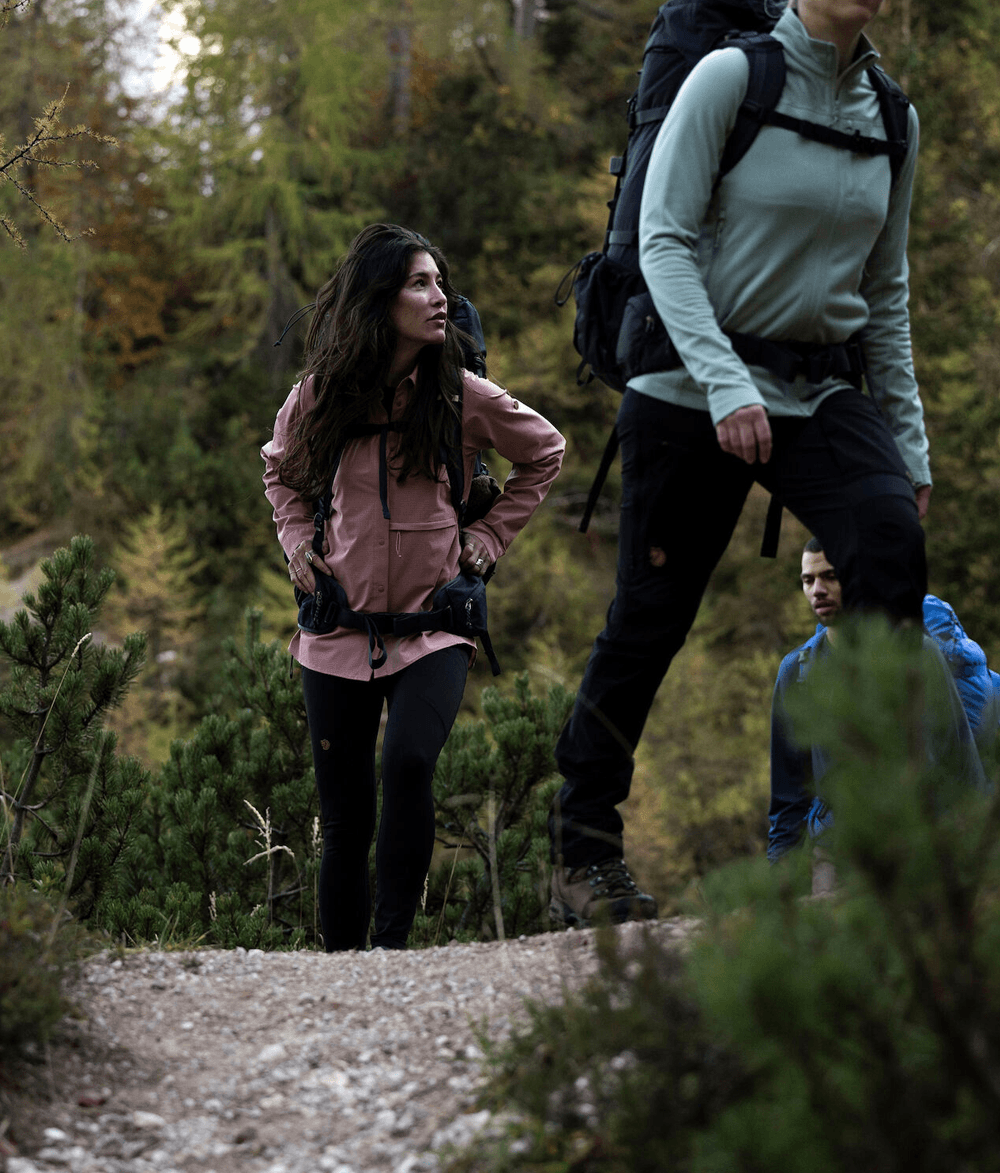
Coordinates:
column 473, row 558
column 746, row 434
column 303, row 561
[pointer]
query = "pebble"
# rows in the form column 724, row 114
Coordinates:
column 241, row 1061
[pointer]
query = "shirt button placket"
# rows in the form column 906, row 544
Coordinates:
column 383, row 567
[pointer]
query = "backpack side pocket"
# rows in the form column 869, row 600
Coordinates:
column 644, row 345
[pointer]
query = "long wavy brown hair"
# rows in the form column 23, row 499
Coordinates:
column 349, row 352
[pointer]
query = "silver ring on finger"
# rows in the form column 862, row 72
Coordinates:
column 309, row 556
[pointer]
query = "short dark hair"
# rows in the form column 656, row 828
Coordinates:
column 813, row 546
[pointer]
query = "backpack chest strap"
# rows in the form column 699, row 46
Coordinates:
column 858, row 143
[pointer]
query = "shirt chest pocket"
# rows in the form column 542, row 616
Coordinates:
column 416, row 537
column 422, row 556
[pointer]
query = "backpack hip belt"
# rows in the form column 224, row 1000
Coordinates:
column 644, row 347
column 459, row 607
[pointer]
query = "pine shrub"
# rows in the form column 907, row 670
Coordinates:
column 807, row 1035
column 228, row 844
column 71, row 800
column 37, row 953
column 493, row 786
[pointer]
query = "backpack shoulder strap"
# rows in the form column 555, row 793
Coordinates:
column 323, row 505
column 766, row 59
column 465, row 317
column 895, row 108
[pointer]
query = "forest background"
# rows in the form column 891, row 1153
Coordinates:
column 139, row 376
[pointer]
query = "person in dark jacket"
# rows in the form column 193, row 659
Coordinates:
column 797, row 771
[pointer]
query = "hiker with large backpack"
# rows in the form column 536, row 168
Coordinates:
column 769, row 288
column 367, row 475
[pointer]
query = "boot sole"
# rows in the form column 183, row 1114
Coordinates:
column 619, row 912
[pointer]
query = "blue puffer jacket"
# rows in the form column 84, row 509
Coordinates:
column 978, row 686
column 795, row 773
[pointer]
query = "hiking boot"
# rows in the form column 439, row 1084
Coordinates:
column 599, row 891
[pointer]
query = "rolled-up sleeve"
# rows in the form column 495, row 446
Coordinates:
column 293, row 516
column 492, row 418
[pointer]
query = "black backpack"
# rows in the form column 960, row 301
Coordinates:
column 617, row 332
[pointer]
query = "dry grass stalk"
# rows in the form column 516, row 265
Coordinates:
column 268, row 851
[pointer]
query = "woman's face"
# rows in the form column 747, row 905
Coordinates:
column 419, row 311
column 855, row 12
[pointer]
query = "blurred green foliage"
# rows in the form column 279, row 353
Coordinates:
column 38, row 953
column 860, row 1031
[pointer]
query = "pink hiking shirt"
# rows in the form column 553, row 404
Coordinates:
column 397, row 563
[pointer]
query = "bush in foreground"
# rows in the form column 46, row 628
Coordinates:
column 807, row 1036
column 37, row 952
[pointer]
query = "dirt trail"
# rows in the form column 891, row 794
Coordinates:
column 218, row 1061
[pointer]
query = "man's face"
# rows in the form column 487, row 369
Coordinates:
column 821, row 587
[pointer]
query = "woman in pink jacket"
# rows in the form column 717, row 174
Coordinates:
column 384, row 360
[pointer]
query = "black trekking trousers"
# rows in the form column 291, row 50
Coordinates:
column 839, row 472
column 344, row 717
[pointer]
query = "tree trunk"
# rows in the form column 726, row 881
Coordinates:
column 524, row 19
column 400, row 71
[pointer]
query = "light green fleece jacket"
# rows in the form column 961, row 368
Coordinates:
column 801, row 241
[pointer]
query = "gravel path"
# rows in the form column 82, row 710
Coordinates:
column 218, row 1061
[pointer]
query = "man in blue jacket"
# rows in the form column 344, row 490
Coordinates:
column 797, row 772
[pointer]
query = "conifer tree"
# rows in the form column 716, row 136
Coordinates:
column 228, row 840
column 70, row 801
column 492, row 789
column 156, row 591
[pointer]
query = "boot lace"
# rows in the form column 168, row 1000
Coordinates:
column 611, row 878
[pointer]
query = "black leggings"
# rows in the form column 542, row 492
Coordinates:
column 344, row 716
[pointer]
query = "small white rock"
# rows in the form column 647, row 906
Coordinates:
column 148, row 1120
column 272, row 1053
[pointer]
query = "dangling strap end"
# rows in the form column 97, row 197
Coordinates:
column 375, row 641
column 293, row 319
column 772, row 529
column 490, row 654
